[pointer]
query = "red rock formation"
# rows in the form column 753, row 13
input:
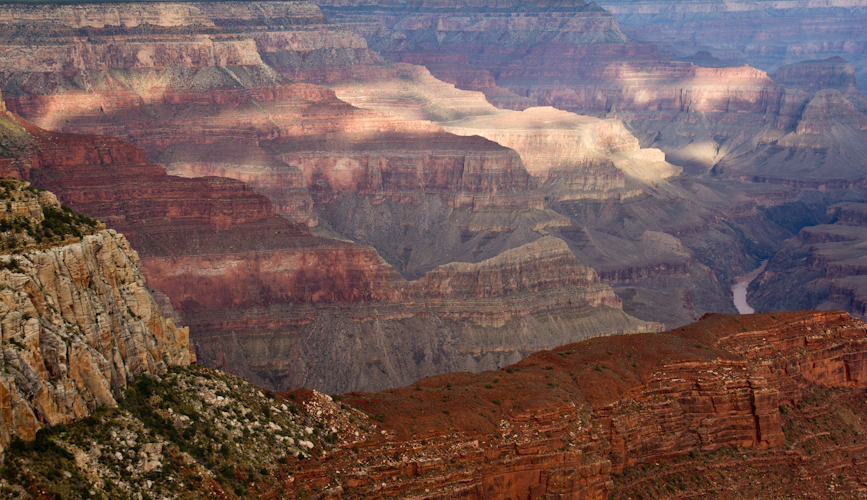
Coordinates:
column 561, row 422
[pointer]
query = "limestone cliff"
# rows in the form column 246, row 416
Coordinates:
column 78, row 324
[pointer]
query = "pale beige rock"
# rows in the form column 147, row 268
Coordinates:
column 77, row 325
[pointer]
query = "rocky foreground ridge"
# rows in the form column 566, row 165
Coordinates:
column 762, row 405
column 78, row 324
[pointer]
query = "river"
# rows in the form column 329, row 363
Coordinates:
column 739, row 289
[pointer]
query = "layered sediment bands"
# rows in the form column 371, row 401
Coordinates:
column 78, row 325
column 564, row 422
column 268, row 306
column 190, row 91
column 700, row 117
column 810, row 76
column 466, row 172
column 573, row 152
column 826, row 262
column 345, row 324
column 455, row 44
column 574, row 157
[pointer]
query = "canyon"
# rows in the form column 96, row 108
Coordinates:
column 387, row 198
column 362, row 174
column 760, row 405
column 288, row 306
column 483, row 215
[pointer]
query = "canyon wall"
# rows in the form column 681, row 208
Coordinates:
column 598, row 419
column 403, row 175
column 78, row 324
column 825, row 263
column 702, row 116
column 285, row 307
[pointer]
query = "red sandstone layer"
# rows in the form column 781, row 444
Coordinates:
column 562, row 423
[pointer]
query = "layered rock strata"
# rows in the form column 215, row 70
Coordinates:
column 211, row 89
column 462, row 316
column 374, row 177
column 578, row 420
column 78, row 326
column 285, row 307
column 701, row 117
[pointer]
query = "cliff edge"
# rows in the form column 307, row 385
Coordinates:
column 77, row 323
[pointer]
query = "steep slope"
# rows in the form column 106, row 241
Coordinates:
column 78, row 324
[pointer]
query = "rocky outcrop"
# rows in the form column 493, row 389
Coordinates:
column 78, row 326
column 578, row 420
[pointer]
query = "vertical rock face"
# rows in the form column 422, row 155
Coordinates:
column 77, row 325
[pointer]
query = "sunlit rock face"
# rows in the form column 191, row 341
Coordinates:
column 77, row 323
column 585, row 157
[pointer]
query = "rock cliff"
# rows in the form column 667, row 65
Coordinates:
column 78, row 324
column 617, row 417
